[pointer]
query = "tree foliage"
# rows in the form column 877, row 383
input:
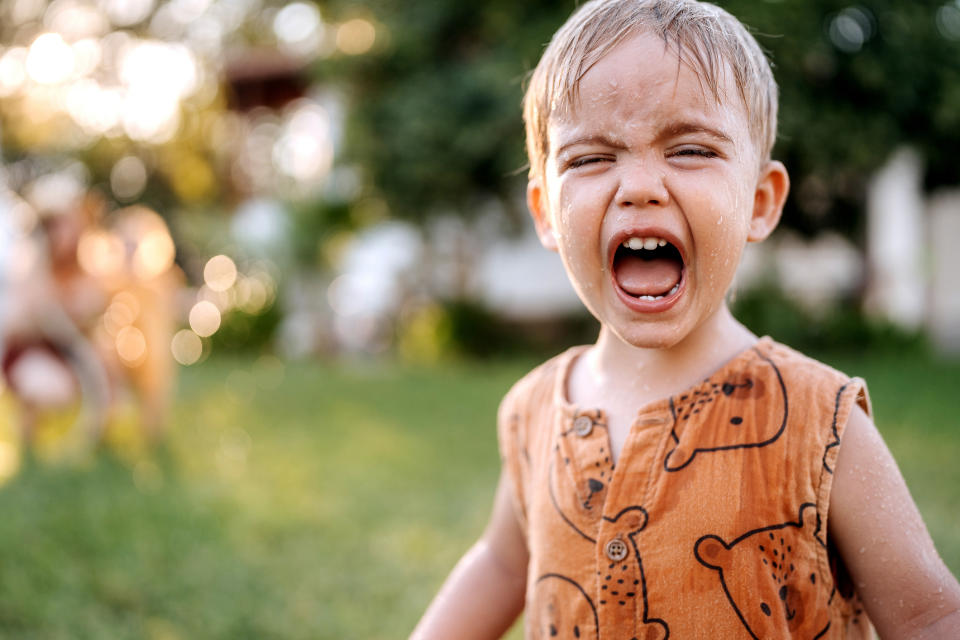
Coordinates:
column 434, row 118
column 435, row 115
column 857, row 81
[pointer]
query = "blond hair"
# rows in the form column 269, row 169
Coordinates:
column 705, row 36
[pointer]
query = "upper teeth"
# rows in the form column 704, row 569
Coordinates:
column 637, row 243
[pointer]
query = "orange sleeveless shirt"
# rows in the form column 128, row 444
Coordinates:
column 712, row 524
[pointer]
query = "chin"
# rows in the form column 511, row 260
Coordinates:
column 650, row 337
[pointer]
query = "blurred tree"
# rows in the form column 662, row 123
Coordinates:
column 436, row 112
column 857, row 80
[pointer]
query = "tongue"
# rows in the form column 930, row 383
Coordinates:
column 640, row 277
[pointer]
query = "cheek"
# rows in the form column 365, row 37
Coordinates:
column 577, row 222
column 720, row 253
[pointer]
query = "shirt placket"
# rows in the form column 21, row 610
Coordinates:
column 584, row 460
column 622, row 608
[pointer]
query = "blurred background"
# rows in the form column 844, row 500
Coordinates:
column 266, row 270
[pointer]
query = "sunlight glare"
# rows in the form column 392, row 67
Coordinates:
column 95, row 109
column 159, row 68
column 87, row 54
column 151, row 115
column 50, row 59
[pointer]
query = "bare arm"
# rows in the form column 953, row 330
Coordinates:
column 484, row 593
column 905, row 586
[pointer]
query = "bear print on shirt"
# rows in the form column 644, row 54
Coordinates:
column 731, row 402
column 774, row 590
column 562, row 610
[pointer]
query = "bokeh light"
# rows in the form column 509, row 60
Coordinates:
column 123, row 311
column 13, row 70
column 154, row 254
column 158, row 68
column 851, row 28
column 50, row 59
column 223, row 300
column 131, row 345
column 75, row 20
column 356, row 36
column 124, row 13
column 220, row 273
column 128, row 178
column 187, row 347
column 304, row 150
column 204, row 318
column 948, row 21
column 97, row 110
column 87, row 55
column 297, row 27
column 100, row 253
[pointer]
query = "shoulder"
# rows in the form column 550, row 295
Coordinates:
column 541, row 386
column 789, row 358
column 809, row 380
column 530, row 403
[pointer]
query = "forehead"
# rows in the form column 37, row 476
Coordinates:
column 645, row 81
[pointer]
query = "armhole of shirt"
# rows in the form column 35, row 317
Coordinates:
column 509, row 436
column 853, row 391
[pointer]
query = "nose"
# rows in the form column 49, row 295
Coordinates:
column 642, row 184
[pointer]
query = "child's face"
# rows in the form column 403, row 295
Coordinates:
column 647, row 157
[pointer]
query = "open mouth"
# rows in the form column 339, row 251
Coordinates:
column 648, row 268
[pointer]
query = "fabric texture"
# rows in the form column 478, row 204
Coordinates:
column 713, row 522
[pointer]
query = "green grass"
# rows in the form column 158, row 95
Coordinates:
column 314, row 501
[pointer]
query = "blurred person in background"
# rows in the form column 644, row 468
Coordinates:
column 48, row 363
column 135, row 329
column 90, row 312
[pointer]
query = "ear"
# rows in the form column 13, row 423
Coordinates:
column 712, row 552
column 537, row 203
column 772, row 188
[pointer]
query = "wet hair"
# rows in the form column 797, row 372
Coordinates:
column 705, row 37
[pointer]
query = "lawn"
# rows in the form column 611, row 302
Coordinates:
column 321, row 501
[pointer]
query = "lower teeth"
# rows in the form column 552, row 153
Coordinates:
column 672, row 291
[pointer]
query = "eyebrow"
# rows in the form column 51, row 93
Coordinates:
column 684, row 128
column 589, row 140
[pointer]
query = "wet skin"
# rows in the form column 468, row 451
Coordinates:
column 646, row 150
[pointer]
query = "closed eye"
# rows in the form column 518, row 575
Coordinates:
column 696, row 151
column 587, row 160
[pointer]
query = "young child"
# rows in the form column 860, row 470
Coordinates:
column 681, row 477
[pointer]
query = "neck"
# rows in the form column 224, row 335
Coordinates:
column 611, row 362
